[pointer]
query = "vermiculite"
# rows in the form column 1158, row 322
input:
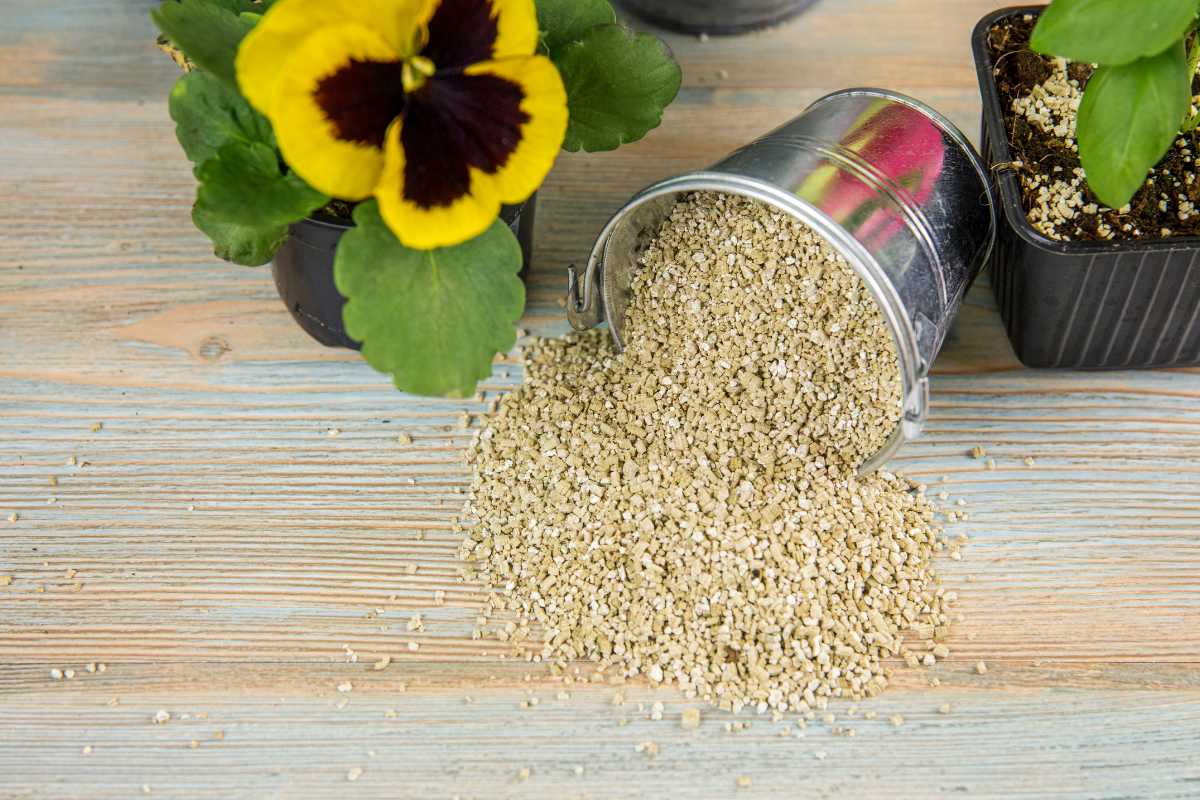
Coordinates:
column 690, row 509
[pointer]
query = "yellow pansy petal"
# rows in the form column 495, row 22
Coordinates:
column 271, row 43
column 517, row 28
column 545, row 106
column 339, row 92
column 425, row 227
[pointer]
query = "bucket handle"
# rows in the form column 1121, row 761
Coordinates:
column 585, row 309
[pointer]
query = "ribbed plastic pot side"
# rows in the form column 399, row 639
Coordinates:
column 1082, row 305
column 303, row 271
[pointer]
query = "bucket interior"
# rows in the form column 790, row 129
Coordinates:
column 628, row 234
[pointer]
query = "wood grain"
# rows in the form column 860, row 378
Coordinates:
column 221, row 553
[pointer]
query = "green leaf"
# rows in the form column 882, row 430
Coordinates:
column 244, row 6
column 243, row 183
column 207, row 32
column 618, row 84
column 564, row 21
column 1128, row 118
column 1111, row 32
column 208, row 113
column 433, row 319
column 241, row 244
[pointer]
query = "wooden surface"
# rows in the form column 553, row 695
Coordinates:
column 223, row 555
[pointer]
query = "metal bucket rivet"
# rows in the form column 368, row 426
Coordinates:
column 893, row 185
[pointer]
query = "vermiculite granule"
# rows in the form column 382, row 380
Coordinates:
column 690, row 509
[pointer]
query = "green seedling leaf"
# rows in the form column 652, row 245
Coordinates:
column 564, row 21
column 1128, row 118
column 208, row 33
column 208, row 113
column 243, row 184
column 432, row 319
column 240, row 244
column 1111, row 32
column 618, row 84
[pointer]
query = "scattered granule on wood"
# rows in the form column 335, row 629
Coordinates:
column 87, row 749
column 333, row 432
column 690, row 718
column 6, row 580
column 414, row 646
column 345, row 686
column 649, row 748
column 563, row 695
column 68, row 674
column 90, row 667
column 524, row 773
column 944, row 708
column 97, row 427
column 690, row 510
column 162, row 717
column 354, row 773
column 52, row 480
column 404, row 439
column 990, row 464
column 382, row 663
column 13, row 517
column 896, row 720
column 415, row 623
column 56, row 674
column 656, row 710
column 743, row 782
column 577, row 769
column 978, row 452
column 981, row 668
column 1028, row 461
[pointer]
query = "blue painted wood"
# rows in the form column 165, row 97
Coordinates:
column 218, row 550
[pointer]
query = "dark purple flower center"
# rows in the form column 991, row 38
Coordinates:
column 453, row 123
column 361, row 99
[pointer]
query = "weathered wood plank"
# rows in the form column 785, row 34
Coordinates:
column 227, row 550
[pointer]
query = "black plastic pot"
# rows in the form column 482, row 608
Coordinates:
column 303, row 270
column 719, row 17
column 1083, row 305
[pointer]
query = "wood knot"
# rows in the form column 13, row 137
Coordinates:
column 213, row 347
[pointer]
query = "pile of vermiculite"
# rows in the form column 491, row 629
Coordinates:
column 690, row 509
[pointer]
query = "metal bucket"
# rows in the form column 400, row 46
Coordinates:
column 889, row 182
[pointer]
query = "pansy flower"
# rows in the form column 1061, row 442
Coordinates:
column 439, row 108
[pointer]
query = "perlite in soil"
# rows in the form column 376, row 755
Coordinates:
column 690, row 509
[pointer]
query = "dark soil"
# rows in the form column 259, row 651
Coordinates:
column 340, row 210
column 1017, row 70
